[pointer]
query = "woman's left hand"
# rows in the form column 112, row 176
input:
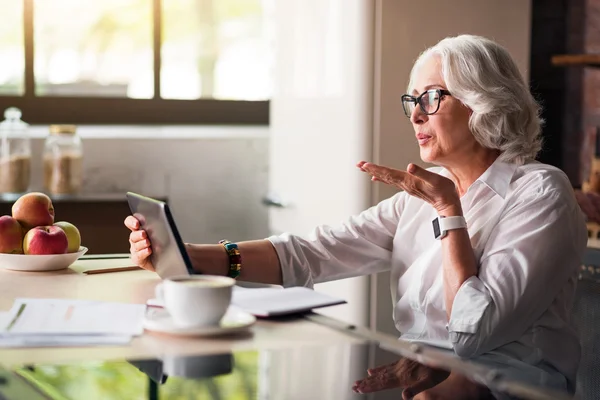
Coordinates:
column 433, row 188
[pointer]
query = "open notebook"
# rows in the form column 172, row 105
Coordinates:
column 270, row 302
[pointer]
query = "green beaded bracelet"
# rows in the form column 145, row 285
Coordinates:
column 235, row 259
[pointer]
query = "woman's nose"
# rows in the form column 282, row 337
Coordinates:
column 418, row 116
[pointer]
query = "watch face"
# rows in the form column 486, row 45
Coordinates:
column 436, row 228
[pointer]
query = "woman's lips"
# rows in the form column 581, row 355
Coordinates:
column 423, row 138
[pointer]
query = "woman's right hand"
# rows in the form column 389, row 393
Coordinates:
column 406, row 374
column 140, row 247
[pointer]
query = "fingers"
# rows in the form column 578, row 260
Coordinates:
column 140, row 257
column 382, row 368
column 132, row 223
column 139, row 240
column 454, row 387
column 144, row 254
column 418, row 387
column 141, row 245
column 376, row 382
column 387, row 175
column 402, row 180
column 430, row 187
column 137, row 236
column 383, row 174
column 422, row 173
column 138, row 247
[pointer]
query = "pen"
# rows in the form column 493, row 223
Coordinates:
column 107, row 270
column 104, row 256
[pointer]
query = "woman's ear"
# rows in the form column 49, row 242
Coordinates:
column 468, row 108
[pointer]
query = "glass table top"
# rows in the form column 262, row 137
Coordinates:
column 308, row 372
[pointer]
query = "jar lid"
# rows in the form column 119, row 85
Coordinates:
column 12, row 113
column 63, row 129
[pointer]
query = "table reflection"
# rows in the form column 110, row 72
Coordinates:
column 317, row 372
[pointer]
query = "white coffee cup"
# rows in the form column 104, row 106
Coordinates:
column 196, row 300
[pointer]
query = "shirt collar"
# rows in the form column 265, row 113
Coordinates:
column 498, row 176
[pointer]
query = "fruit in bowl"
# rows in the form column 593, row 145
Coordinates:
column 33, row 209
column 73, row 235
column 45, row 240
column 30, row 240
column 11, row 235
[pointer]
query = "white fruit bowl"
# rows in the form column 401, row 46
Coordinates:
column 50, row 262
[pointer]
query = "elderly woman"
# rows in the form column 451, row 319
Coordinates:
column 483, row 249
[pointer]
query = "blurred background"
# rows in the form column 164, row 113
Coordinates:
column 208, row 48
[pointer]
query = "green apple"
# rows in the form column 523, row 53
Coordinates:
column 73, row 235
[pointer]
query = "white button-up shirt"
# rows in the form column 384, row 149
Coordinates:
column 528, row 234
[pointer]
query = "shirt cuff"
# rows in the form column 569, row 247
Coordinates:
column 292, row 274
column 470, row 303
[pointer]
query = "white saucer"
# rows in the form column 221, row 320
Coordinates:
column 234, row 321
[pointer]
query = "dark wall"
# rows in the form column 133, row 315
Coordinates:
column 559, row 27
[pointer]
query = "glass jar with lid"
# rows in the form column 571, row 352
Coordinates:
column 15, row 153
column 63, row 160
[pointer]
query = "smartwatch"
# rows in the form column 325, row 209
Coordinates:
column 441, row 225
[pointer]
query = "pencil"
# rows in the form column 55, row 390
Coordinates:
column 119, row 269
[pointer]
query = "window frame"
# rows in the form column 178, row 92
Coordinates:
column 109, row 111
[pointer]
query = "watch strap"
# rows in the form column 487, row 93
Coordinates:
column 441, row 225
column 457, row 222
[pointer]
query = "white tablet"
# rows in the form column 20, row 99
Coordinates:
column 169, row 256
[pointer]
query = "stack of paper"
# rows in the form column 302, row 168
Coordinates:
column 60, row 322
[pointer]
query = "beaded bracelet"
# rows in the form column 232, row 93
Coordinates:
column 235, row 259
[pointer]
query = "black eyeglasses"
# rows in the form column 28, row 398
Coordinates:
column 429, row 101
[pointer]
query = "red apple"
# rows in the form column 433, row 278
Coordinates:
column 45, row 240
column 11, row 235
column 33, row 209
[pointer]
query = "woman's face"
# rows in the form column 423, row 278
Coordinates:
column 444, row 137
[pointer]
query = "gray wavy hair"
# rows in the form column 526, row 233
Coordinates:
column 483, row 76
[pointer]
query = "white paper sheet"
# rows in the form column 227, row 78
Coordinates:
column 72, row 317
column 62, row 341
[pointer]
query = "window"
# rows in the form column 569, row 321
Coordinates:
column 136, row 61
